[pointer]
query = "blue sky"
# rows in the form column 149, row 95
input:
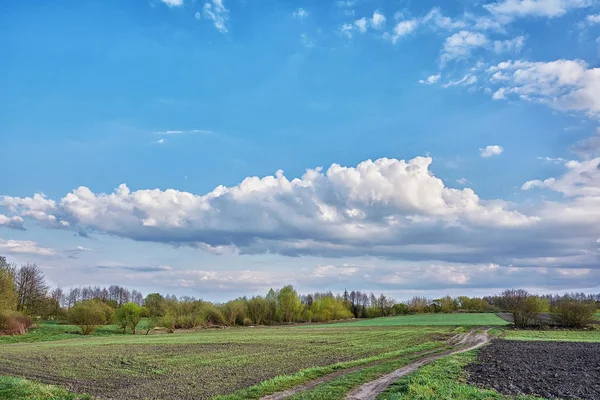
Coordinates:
column 437, row 146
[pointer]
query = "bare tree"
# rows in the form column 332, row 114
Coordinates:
column 31, row 288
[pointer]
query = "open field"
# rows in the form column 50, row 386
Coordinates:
column 466, row 319
column 204, row 363
column 559, row 335
column 565, row 370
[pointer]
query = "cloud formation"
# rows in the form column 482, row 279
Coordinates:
column 11, row 222
column 24, row 247
column 217, row 13
column 490, row 151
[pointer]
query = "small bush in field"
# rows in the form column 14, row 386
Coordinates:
column 14, row 323
column 88, row 315
column 573, row 313
column 129, row 315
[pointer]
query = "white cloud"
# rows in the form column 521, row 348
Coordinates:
column 593, row 19
column 24, row 247
column 462, row 181
column 436, row 18
column 170, row 132
column 511, row 9
column 361, row 24
column 370, row 208
column 11, row 222
column 466, row 80
column 490, row 151
column 509, row 46
column 300, row 13
column 581, row 179
column 346, row 30
column 173, row 3
column 563, row 84
column 461, row 44
column 589, row 147
column 378, row 20
column 161, row 141
column 217, row 13
column 404, row 28
column 431, row 80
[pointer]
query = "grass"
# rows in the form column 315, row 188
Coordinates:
column 443, row 380
column 560, row 335
column 206, row 363
column 50, row 331
column 21, row 389
column 466, row 319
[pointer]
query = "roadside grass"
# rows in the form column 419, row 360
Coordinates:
column 592, row 335
column 457, row 319
column 21, row 389
column 205, row 363
column 443, row 379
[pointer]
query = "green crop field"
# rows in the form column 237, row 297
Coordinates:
column 475, row 319
column 561, row 335
column 205, row 363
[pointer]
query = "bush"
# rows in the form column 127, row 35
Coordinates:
column 523, row 306
column 573, row 313
column 14, row 323
column 128, row 315
column 89, row 314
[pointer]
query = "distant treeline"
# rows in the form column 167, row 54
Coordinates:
column 24, row 292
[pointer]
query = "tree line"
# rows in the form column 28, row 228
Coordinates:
column 24, row 293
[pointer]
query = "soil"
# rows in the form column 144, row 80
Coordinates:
column 565, row 370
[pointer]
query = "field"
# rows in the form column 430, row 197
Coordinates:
column 474, row 319
column 326, row 361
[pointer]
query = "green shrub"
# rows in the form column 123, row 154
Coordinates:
column 89, row 314
column 573, row 313
column 128, row 316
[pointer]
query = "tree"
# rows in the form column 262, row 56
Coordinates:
column 31, row 288
column 89, row 314
column 8, row 295
column 155, row 304
column 258, row 310
column 234, row 311
column 573, row 313
column 523, row 306
column 128, row 316
column 289, row 303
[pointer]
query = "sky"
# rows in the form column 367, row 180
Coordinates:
column 218, row 148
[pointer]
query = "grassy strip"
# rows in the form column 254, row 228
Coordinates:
column 284, row 382
column 466, row 319
column 21, row 389
column 592, row 335
column 443, row 380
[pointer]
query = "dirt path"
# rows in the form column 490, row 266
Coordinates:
column 462, row 343
column 465, row 341
column 329, row 377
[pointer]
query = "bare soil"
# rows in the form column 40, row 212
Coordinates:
column 565, row 370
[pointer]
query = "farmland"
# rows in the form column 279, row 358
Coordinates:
column 325, row 361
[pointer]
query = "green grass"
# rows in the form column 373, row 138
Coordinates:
column 443, row 380
column 204, row 363
column 475, row 319
column 50, row 331
column 561, row 335
column 21, row 389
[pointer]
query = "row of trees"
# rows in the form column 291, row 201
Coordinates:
column 25, row 292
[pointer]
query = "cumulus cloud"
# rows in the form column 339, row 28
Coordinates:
column 589, row 147
column 217, row 13
column 437, row 19
column 346, row 30
column 300, row 13
column 361, row 25
column 511, row 9
column 461, row 44
column 567, row 85
column 490, row 151
column 378, row 20
column 11, row 222
column 431, row 80
column 173, row 3
column 581, row 179
column 24, row 247
column 509, row 46
column 403, row 28
column 342, row 209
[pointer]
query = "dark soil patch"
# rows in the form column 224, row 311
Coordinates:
column 565, row 370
